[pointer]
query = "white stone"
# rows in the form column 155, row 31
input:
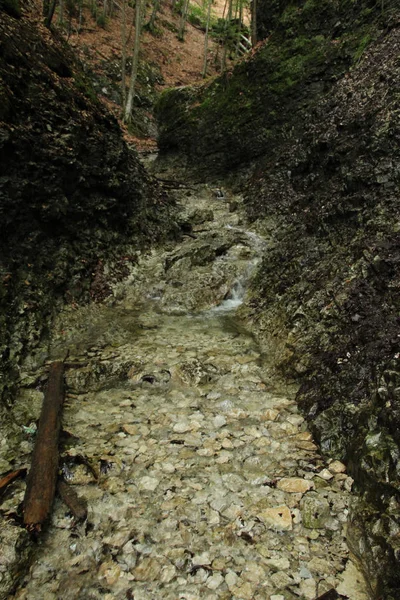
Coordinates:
column 182, row 427
column 231, row 579
column 167, row 574
column 168, row 468
column 308, row 588
column 278, row 563
column 278, row 518
column 294, row 485
column 219, row 421
column 148, row 483
column 200, row 560
column 336, row 467
column 214, row 581
column 325, row 474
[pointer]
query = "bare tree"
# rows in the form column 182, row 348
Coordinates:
column 204, row 73
column 254, row 22
column 123, row 61
column 135, row 62
column 182, row 25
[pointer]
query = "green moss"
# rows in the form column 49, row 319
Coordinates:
column 364, row 42
column 86, row 87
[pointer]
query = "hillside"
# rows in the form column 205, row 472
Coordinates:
column 72, row 195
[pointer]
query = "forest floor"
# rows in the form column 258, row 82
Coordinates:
column 179, row 63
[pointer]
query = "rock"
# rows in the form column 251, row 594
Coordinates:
column 110, row 572
column 148, row 483
column 308, row 588
column 219, row 421
column 253, row 572
column 201, row 559
column 167, row 574
column 325, row 474
column 280, row 564
column 182, row 427
column 315, row 511
column 336, row 467
column 231, row 579
column 131, row 429
column 270, row 415
column 214, row 581
column 278, row 518
column 148, row 570
column 294, row 485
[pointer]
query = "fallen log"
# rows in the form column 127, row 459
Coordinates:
column 42, row 477
column 9, row 478
column 76, row 504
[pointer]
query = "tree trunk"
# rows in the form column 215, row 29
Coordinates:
column 253, row 22
column 239, row 28
column 50, row 14
column 206, row 40
column 153, row 15
column 227, row 30
column 46, row 6
column 61, row 13
column 135, row 62
column 80, row 16
column 123, row 61
column 182, row 26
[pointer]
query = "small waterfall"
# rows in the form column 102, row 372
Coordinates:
column 236, row 294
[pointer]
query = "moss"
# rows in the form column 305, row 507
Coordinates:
column 85, row 87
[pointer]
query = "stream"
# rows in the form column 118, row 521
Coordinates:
column 201, row 478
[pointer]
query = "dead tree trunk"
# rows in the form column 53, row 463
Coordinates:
column 42, row 478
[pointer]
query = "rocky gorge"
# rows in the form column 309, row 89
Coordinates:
column 232, row 407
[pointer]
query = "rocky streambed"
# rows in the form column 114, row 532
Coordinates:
column 201, row 478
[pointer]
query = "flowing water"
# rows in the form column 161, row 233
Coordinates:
column 201, row 478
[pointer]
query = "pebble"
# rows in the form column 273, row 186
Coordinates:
column 212, row 490
column 336, row 467
column 278, row 518
column 294, row 485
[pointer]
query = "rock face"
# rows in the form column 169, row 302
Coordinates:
column 316, row 114
column 70, row 189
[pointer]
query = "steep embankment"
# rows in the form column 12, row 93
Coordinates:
column 71, row 192
column 316, row 111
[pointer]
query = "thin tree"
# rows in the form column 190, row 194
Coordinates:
column 239, row 33
column 204, row 73
column 50, row 14
column 151, row 24
column 182, row 25
column 61, row 13
column 135, row 63
column 123, row 61
column 253, row 22
column 227, row 34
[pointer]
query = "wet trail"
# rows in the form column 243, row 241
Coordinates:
column 201, row 478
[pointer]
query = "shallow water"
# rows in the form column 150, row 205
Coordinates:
column 201, row 478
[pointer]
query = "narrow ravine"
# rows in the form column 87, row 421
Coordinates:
column 201, row 478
